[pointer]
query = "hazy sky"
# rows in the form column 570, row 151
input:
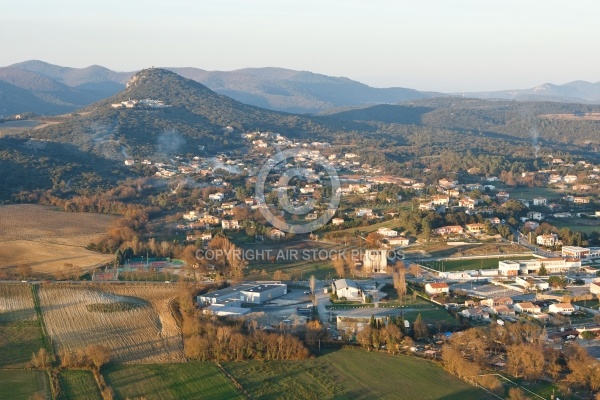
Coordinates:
column 443, row 45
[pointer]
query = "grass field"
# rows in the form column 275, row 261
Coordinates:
column 578, row 224
column 170, row 381
column 465, row 265
column 46, row 239
column 20, row 333
column 530, row 193
column 23, row 385
column 351, row 374
column 78, row 385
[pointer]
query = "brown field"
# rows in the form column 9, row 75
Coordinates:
column 46, row 239
column 137, row 325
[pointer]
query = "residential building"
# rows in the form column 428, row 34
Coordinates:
column 503, row 310
column 426, row 206
column 337, row 221
column 475, row 228
column 502, row 197
column 595, row 288
column 539, row 201
column 475, row 313
column 450, row 230
column 548, row 240
column 437, row 288
column 230, row 224
column 496, row 301
column 440, row 200
column 581, row 200
column 398, row 241
column 538, row 216
column 216, row 196
column 468, row 203
column 276, row 234
column 527, row 307
column 387, row 232
column 561, row 308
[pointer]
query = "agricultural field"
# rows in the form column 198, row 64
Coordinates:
column 23, row 385
column 189, row 381
column 351, row 374
column 531, row 193
column 78, row 385
column 132, row 320
column 46, row 239
column 20, row 333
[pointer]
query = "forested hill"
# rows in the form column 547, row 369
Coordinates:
column 547, row 126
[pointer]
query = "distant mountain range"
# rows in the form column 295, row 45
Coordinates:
column 46, row 89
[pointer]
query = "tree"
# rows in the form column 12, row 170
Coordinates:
column 588, row 335
column 542, row 271
column 24, row 271
column 557, row 282
column 99, row 355
column 312, row 282
column 374, row 240
column 420, row 328
column 516, row 394
column 41, row 359
column 400, row 284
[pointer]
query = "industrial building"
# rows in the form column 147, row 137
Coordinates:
column 254, row 293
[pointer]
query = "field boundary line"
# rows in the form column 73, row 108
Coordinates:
column 46, row 340
column 234, row 381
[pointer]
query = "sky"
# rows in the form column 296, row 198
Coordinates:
column 433, row 45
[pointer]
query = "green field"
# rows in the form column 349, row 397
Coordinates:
column 16, row 385
column 530, row 193
column 78, row 385
column 170, row 381
column 351, row 374
column 578, row 224
column 465, row 265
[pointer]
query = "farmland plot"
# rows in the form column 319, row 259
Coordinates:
column 135, row 329
column 20, row 333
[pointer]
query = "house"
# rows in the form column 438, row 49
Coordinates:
column 495, row 221
column 426, row 206
column 398, row 241
column 191, row 216
column 548, row 240
column 503, row 310
column 206, row 236
column 502, row 197
column 337, row 221
column 447, row 183
column 527, row 307
column 249, row 201
column 538, row 216
column 468, row 203
column 497, row 301
column 561, row 308
column 387, row 232
column 475, row 313
column 229, row 205
column 449, row 230
column 276, row 234
column 216, row 196
column 531, row 225
column 346, row 288
column 570, row 179
column 595, row 288
column 475, row 228
column 129, row 162
column 364, row 212
column 581, row 200
column 230, row 224
column 539, row 201
column 440, row 200
column 437, row 288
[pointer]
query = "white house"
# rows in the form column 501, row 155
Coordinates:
column 230, row 224
column 215, row 196
column 387, row 232
column 548, row 240
column 561, row 308
column 437, row 288
column 337, row 221
column 375, row 261
column 539, row 201
column 527, row 307
column 398, row 241
column 347, row 288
